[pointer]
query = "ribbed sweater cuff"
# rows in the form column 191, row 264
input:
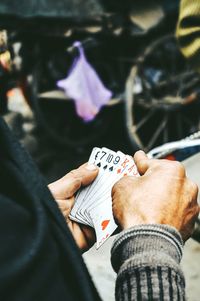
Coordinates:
column 158, row 239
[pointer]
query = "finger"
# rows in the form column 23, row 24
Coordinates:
column 66, row 206
column 71, row 182
column 83, row 235
column 89, row 235
column 141, row 161
column 192, row 189
column 124, row 184
column 195, row 190
column 86, row 173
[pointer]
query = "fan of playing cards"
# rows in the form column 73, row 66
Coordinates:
column 93, row 204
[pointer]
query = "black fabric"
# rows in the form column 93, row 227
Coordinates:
column 39, row 259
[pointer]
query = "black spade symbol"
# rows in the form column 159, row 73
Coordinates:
column 105, row 167
column 111, row 168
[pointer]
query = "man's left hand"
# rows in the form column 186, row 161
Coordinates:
column 64, row 190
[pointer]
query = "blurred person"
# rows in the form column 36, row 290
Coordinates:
column 40, row 254
column 188, row 31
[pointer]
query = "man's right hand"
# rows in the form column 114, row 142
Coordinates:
column 162, row 195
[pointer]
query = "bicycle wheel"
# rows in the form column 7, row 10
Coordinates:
column 162, row 96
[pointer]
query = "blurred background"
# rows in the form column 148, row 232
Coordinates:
column 135, row 91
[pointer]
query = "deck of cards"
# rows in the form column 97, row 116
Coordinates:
column 93, row 204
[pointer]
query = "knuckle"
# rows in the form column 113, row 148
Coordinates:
column 120, row 185
column 73, row 178
column 116, row 187
column 193, row 187
column 73, row 173
column 181, row 168
column 77, row 183
column 177, row 167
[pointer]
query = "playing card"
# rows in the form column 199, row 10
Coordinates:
column 104, row 223
column 83, row 198
column 101, row 210
column 105, row 179
column 82, row 192
column 127, row 167
column 93, row 204
column 108, row 178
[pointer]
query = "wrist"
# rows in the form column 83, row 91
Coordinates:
column 137, row 221
column 134, row 222
column 158, row 240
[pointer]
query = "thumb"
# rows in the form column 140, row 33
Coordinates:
column 68, row 185
column 141, row 161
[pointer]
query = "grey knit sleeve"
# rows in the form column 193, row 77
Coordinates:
column 146, row 259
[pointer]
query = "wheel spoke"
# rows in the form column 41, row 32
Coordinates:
column 157, row 133
column 166, row 132
column 143, row 120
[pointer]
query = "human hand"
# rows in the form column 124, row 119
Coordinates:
column 63, row 191
column 162, row 195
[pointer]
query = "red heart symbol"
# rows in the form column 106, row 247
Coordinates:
column 104, row 224
column 119, row 170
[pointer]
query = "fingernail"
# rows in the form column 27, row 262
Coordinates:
column 91, row 166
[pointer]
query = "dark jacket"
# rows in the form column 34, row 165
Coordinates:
column 39, row 259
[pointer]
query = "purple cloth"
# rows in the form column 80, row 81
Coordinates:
column 84, row 86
